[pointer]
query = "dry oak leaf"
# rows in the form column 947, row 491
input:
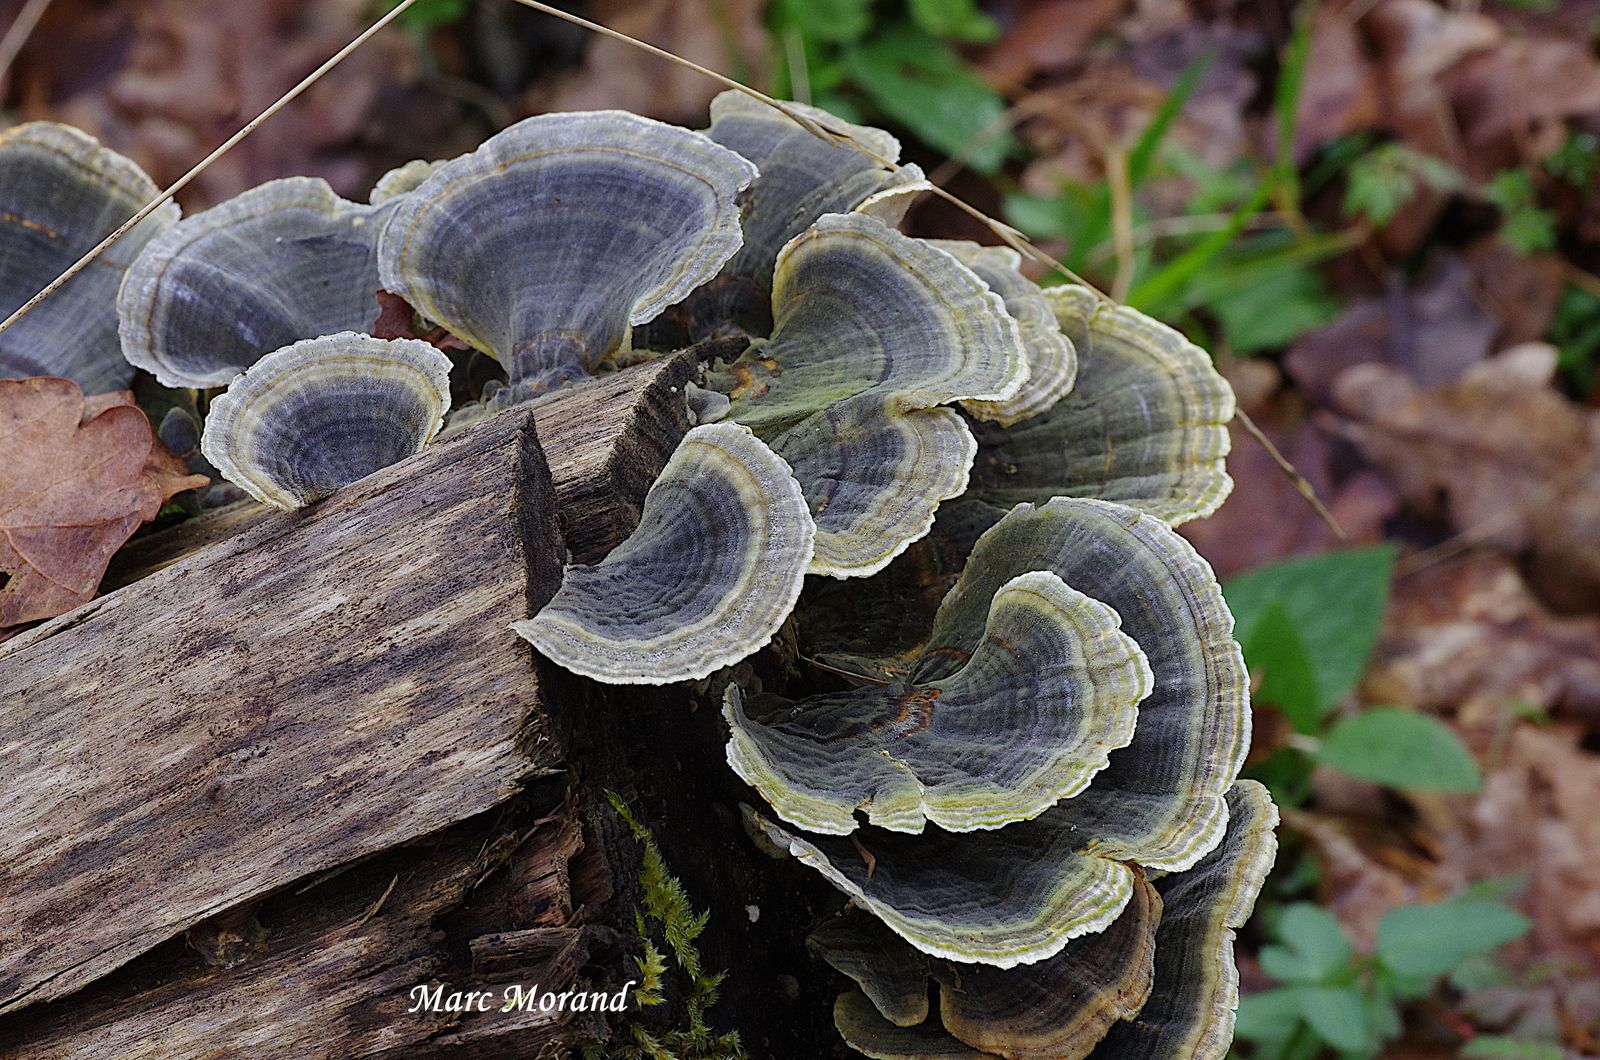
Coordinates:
column 78, row 478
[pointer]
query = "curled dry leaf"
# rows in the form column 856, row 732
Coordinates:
column 1499, row 454
column 79, row 477
column 1468, row 636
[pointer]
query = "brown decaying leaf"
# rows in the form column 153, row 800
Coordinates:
column 725, row 35
column 1265, row 519
column 1434, row 332
column 78, row 479
column 1467, row 636
column 1499, row 455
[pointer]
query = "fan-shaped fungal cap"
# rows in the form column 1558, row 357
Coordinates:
column 402, row 180
column 802, row 177
column 61, row 193
column 1145, row 423
column 1052, row 362
column 542, row 246
column 893, row 975
column 1017, row 894
column 1190, row 1014
column 1047, row 692
column 1005, row 897
column 710, row 574
column 322, row 413
column 872, row 330
column 1160, row 802
column 212, row 295
column 869, row 1034
column 1057, row 1009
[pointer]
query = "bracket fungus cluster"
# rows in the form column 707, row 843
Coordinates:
column 1029, row 791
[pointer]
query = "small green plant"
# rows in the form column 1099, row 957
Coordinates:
column 668, row 914
column 1308, row 627
column 1575, row 331
column 1384, row 180
column 1331, row 997
column 864, row 60
column 1524, row 226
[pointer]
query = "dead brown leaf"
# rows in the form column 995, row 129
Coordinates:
column 1265, row 518
column 1340, row 90
column 1467, row 637
column 78, row 479
column 1434, row 332
column 1499, row 456
column 1046, row 37
column 726, row 36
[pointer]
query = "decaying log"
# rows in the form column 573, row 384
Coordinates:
column 322, row 685
column 258, row 796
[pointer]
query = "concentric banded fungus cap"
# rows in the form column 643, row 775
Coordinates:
column 1145, row 423
column 1017, row 894
column 285, row 261
column 710, row 574
column 1159, row 984
column 320, row 414
column 802, row 177
column 402, row 180
column 1052, row 361
column 61, row 193
column 1190, row 1013
column 545, row 244
column 1049, row 690
column 1057, row 1009
column 873, row 330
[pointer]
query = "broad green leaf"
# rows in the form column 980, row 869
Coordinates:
column 954, row 20
column 1501, row 1047
column 1314, row 947
column 1336, row 600
column 1338, row 1015
column 1273, row 311
column 1275, row 651
column 922, row 83
column 1270, row 1016
column 1431, row 939
column 1402, row 749
column 839, row 21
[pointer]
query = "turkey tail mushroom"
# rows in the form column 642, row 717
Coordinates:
column 61, row 193
column 706, row 579
column 318, row 415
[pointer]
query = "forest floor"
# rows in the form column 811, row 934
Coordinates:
column 1383, row 218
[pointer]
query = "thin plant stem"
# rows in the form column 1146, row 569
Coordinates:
column 18, row 32
column 200, row 167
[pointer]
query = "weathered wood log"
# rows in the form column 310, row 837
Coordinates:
column 299, row 847
column 322, row 685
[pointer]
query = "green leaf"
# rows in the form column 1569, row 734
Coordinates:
column 1576, row 161
column 1402, row 749
column 1151, row 293
column 922, row 83
column 1274, row 311
column 1275, row 651
column 1270, row 1016
column 1314, row 947
column 1381, row 182
column 1418, row 940
column 838, row 21
column 1523, row 225
column 954, row 20
column 1501, row 1047
column 1338, row 1015
column 1336, row 601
